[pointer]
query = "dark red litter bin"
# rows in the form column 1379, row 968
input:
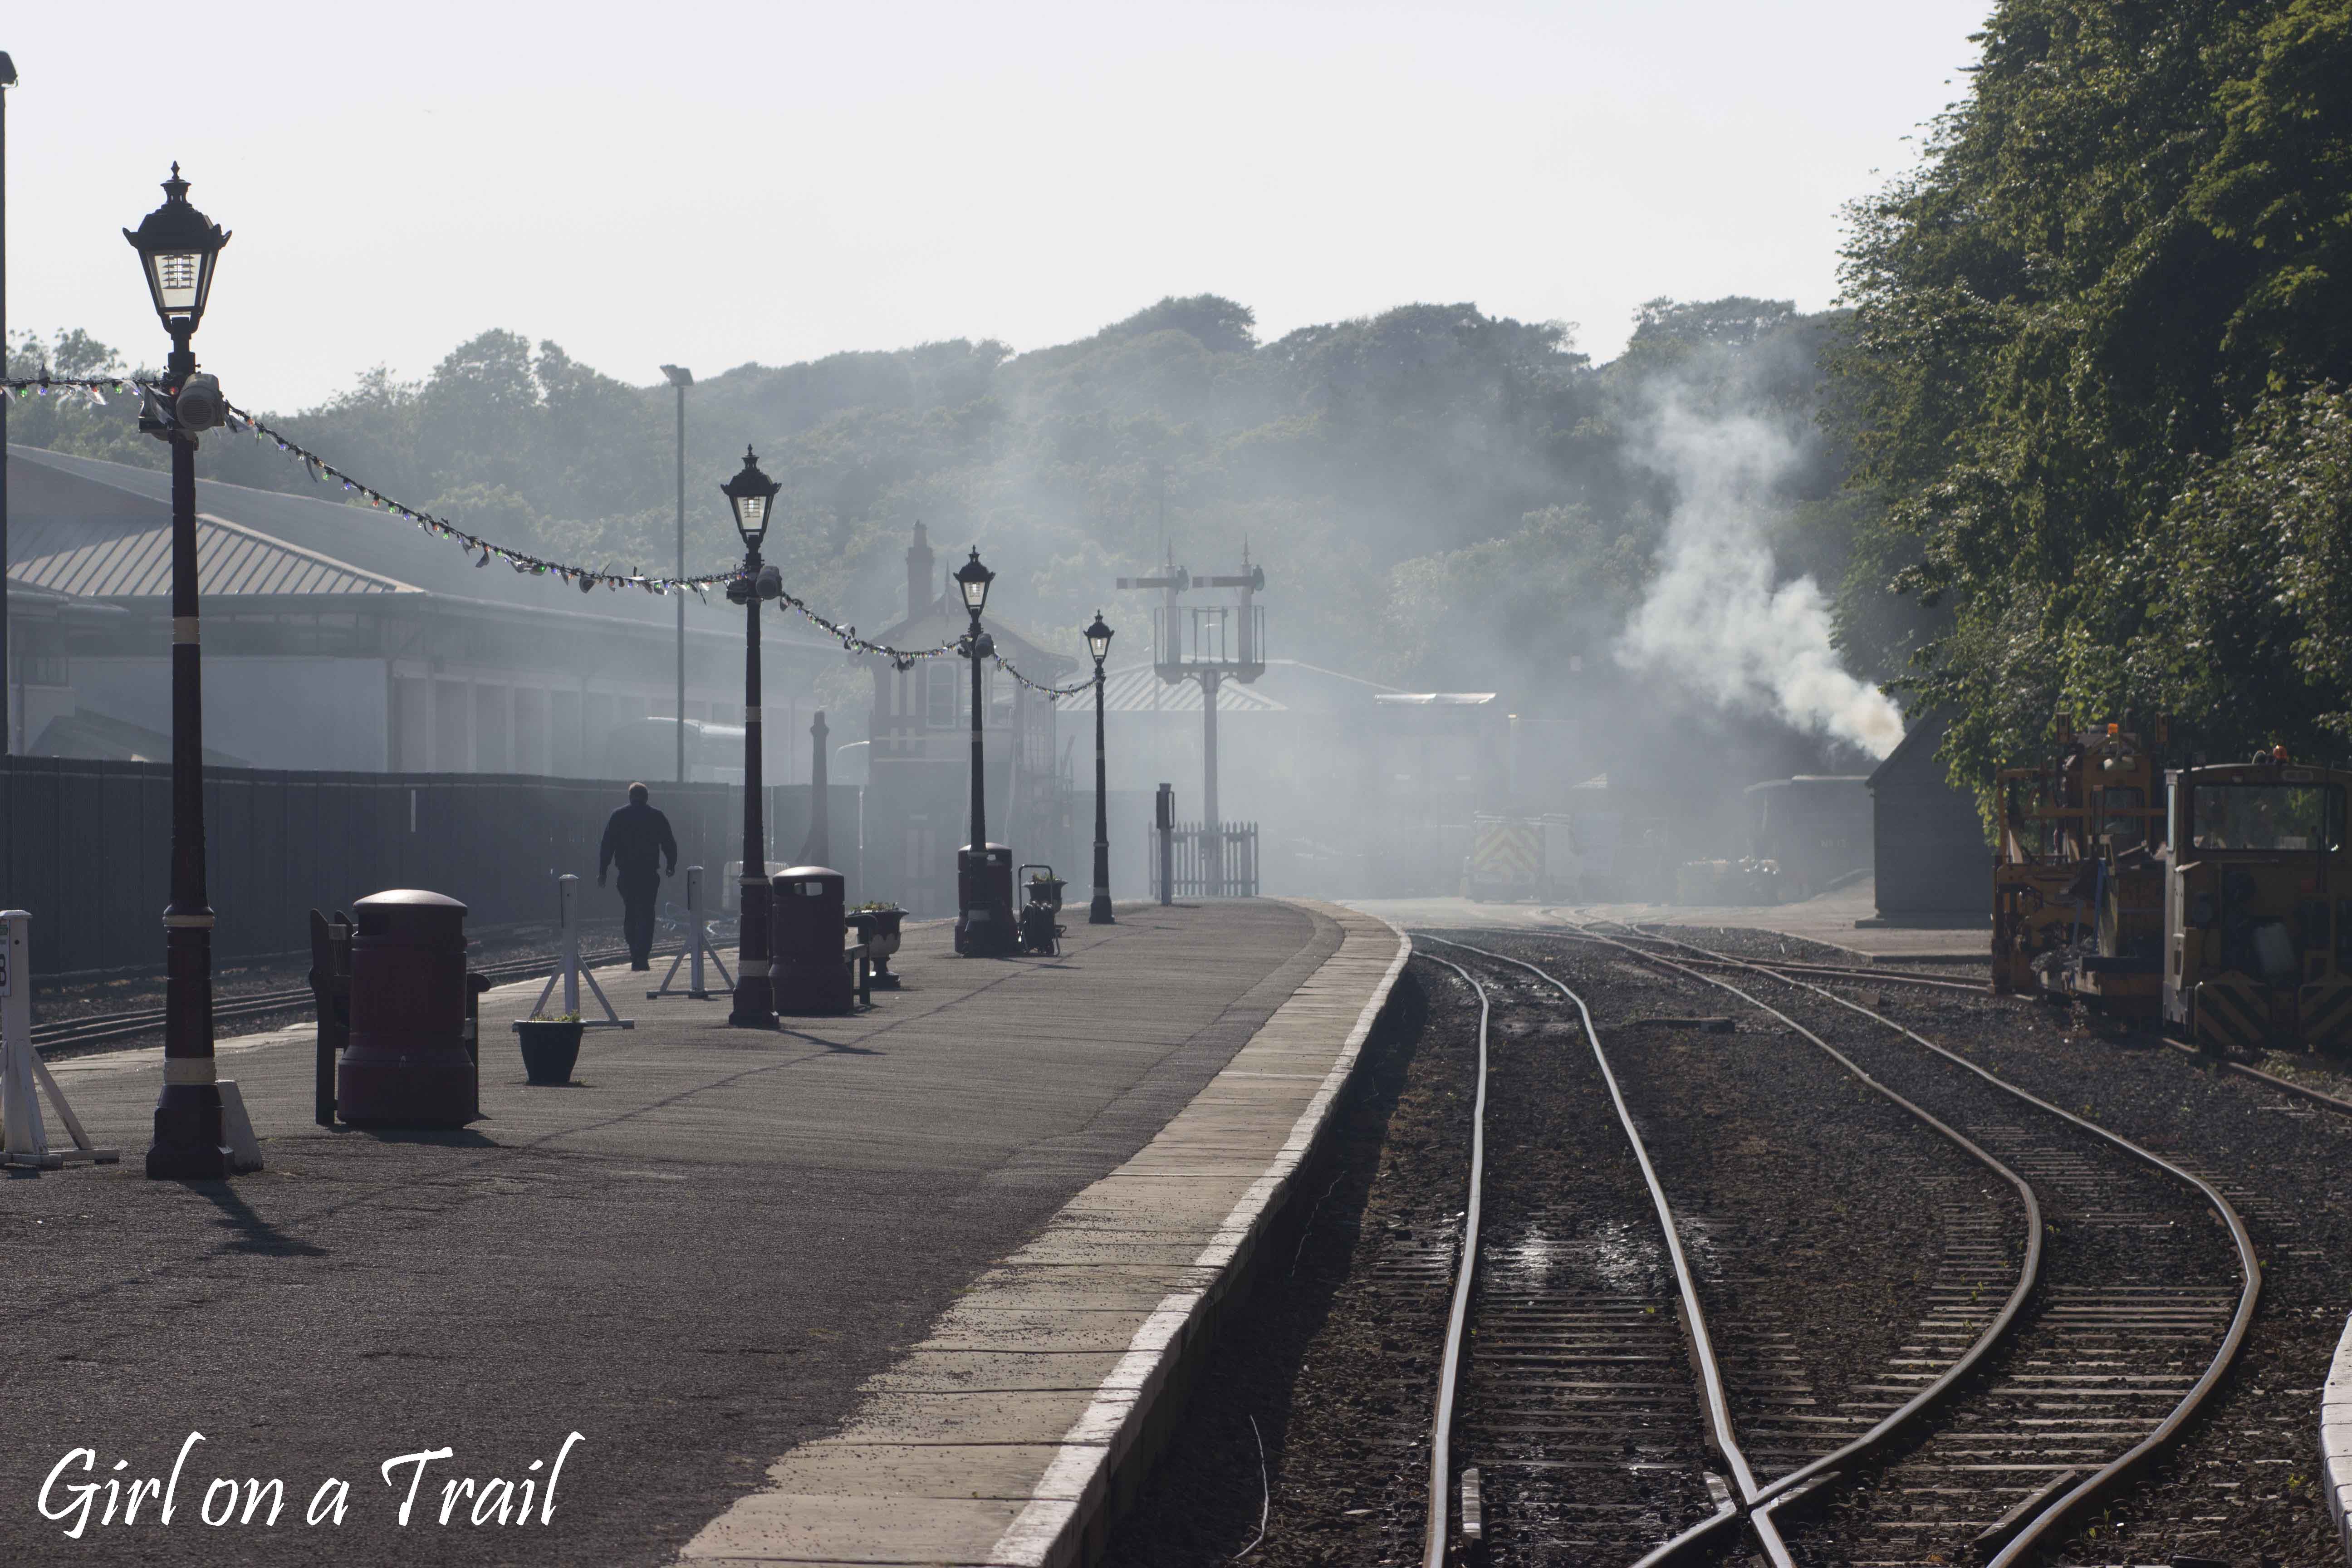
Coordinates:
column 406, row 1064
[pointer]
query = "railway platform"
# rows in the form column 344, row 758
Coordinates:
column 903, row 1287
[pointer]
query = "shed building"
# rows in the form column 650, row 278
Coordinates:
column 1930, row 856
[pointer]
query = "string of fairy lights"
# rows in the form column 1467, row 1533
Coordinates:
column 587, row 579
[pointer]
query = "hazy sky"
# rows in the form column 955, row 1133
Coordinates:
column 707, row 183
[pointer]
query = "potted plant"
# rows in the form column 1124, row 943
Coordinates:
column 551, row 1044
column 879, row 925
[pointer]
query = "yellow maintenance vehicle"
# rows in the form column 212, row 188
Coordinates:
column 2258, row 907
column 2078, row 877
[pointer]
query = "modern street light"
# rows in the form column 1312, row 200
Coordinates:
column 752, row 495
column 681, row 378
column 983, row 871
column 1098, row 638
column 179, row 246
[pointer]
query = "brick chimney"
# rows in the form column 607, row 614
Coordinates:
column 922, row 587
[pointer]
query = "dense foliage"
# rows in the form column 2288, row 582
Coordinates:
column 2097, row 375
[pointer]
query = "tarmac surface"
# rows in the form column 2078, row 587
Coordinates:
column 1830, row 918
column 692, row 1257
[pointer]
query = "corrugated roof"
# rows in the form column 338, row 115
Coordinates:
column 119, row 559
column 1138, row 690
column 99, row 497
column 1289, row 686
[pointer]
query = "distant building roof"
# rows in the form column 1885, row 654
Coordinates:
column 1139, row 690
column 1913, row 760
column 1436, row 698
column 1289, row 686
column 305, row 540
column 119, row 559
column 107, row 739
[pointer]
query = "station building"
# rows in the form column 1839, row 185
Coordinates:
column 339, row 638
column 919, row 764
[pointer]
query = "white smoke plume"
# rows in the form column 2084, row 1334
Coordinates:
column 1713, row 619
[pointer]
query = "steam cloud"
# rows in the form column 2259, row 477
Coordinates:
column 1713, row 619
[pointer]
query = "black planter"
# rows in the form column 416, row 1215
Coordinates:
column 549, row 1049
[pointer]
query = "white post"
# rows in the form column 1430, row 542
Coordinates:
column 27, row 1140
column 695, row 948
column 694, row 931
column 567, row 968
column 567, row 889
column 24, row 1138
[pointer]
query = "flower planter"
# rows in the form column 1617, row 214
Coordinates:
column 549, row 1049
column 879, row 929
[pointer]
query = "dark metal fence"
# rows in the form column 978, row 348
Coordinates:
column 1207, row 864
column 86, row 847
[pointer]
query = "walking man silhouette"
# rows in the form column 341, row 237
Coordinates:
column 637, row 837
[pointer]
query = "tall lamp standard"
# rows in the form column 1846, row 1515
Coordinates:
column 179, row 246
column 1098, row 638
column 752, row 496
column 681, row 378
column 984, row 873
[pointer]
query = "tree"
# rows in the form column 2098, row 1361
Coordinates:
column 2131, row 231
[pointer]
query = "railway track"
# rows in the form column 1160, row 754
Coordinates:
column 1985, row 1430
column 106, row 1028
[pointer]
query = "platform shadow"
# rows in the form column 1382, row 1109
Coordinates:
column 445, row 1137
column 836, row 1046
column 248, row 1231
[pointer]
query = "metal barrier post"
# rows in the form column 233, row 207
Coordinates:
column 24, row 1137
column 697, row 947
column 694, row 986
column 28, row 1139
column 567, row 903
column 331, row 993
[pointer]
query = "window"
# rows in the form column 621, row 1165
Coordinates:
column 941, row 712
column 2268, row 816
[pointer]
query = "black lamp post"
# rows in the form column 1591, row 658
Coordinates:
column 179, row 246
column 983, row 888
column 752, row 496
column 1098, row 638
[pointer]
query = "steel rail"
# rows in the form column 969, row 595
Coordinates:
column 99, row 1027
column 2027, row 1544
column 2029, row 1273
column 1855, row 972
column 1763, row 1501
column 1457, row 1322
column 1869, row 977
column 1714, row 1398
column 1825, row 971
column 2318, row 1097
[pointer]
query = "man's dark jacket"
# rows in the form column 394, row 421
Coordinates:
column 635, row 837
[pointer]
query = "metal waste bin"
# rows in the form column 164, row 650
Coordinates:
column 406, row 1064
column 984, row 926
column 808, row 973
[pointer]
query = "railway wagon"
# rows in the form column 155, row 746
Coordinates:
column 1815, row 828
column 2258, row 907
column 2078, row 874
